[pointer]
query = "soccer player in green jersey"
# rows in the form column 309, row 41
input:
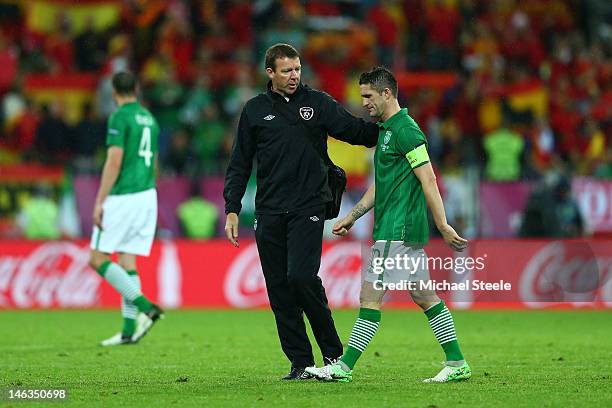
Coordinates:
column 125, row 212
column 405, row 185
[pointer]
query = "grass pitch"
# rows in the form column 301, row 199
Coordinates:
column 233, row 358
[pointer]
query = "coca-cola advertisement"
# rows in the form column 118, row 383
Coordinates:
column 491, row 273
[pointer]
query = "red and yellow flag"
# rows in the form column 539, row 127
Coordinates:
column 41, row 15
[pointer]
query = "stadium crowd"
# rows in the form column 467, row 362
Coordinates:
column 533, row 89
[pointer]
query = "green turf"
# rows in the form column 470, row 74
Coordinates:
column 233, row 358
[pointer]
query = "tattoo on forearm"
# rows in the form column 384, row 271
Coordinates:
column 358, row 211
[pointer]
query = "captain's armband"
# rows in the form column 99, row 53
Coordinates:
column 418, row 156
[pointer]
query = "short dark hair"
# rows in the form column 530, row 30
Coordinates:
column 124, row 83
column 379, row 78
column 279, row 51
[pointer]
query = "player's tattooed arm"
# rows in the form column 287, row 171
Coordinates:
column 358, row 211
column 364, row 205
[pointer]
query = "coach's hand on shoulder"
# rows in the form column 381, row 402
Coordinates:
column 97, row 215
column 452, row 238
column 342, row 227
column 231, row 229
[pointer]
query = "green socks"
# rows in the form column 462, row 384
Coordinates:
column 363, row 331
column 129, row 327
column 441, row 322
column 143, row 304
column 119, row 279
column 129, row 311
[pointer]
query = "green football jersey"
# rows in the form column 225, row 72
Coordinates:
column 133, row 128
column 400, row 209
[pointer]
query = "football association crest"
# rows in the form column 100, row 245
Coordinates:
column 306, row 112
column 387, row 137
column 386, row 140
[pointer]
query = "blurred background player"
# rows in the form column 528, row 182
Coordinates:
column 405, row 185
column 125, row 212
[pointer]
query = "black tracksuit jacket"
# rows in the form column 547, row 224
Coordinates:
column 288, row 139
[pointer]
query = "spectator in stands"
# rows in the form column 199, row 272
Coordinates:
column 13, row 106
column 208, row 136
column 569, row 220
column 59, row 46
column 289, row 28
column 453, row 145
column 504, row 148
column 542, row 142
column 199, row 98
column 238, row 93
column 89, row 136
column 198, row 217
column 166, row 97
column 90, row 47
column 52, row 138
column 604, row 170
column 596, row 147
column 552, row 212
column 177, row 42
column 443, row 21
column 179, row 158
column 389, row 24
column 24, row 132
column 329, row 57
column 39, row 217
column 238, row 12
column 9, row 59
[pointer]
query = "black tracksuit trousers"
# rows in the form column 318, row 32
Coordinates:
column 289, row 248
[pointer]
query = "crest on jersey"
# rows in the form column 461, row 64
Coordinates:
column 386, row 140
column 306, row 112
column 387, row 137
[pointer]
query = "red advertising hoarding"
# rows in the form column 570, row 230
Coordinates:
column 493, row 273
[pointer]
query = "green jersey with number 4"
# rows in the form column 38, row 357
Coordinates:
column 400, row 209
column 135, row 130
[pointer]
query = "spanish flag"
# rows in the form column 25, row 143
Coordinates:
column 72, row 91
column 41, row 15
column 529, row 95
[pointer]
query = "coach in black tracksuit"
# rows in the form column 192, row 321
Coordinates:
column 286, row 129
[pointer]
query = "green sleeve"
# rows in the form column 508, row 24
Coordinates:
column 117, row 130
column 412, row 144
